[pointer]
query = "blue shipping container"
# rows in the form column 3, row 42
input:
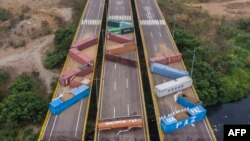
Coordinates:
column 167, row 71
column 186, row 103
column 57, row 105
column 170, row 123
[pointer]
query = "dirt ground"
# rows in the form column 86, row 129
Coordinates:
column 29, row 57
column 231, row 9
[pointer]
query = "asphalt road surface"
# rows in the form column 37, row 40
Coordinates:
column 158, row 41
column 68, row 126
column 121, row 90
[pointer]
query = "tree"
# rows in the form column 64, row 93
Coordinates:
column 185, row 39
column 22, row 84
column 4, row 76
column 243, row 40
column 63, row 40
column 26, row 106
column 244, row 24
column 235, row 86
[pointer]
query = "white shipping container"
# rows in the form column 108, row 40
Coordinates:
column 173, row 86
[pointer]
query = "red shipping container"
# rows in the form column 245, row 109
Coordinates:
column 85, row 71
column 121, row 48
column 65, row 78
column 79, row 57
column 159, row 59
column 121, row 60
column 119, row 38
column 166, row 59
column 85, row 43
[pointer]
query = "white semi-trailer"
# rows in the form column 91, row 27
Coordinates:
column 173, row 86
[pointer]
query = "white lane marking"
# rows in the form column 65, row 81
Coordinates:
column 115, row 86
column 151, row 34
column 46, row 125
column 52, row 128
column 208, row 130
column 98, row 136
column 86, row 18
column 150, row 21
column 79, row 114
column 115, row 65
column 120, row 17
column 128, row 108
column 102, row 90
column 171, row 108
column 127, row 82
column 160, row 34
column 91, row 22
column 114, row 112
column 155, row 48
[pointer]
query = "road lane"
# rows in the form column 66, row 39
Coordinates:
column 121, row 89
column 158, row 41
column 69, row 125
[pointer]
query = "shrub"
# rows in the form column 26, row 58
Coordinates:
column 62, row 42
column 23, row 107
column 4, row 14
column 55, row 60
column 227, row 31
column 4, row 76
column 243, row 40
column 22, row 84
column 244, row 24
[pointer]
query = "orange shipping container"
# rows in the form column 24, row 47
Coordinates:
column 129, row 123
column 121, row 48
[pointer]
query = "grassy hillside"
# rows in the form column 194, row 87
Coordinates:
column 222, row 55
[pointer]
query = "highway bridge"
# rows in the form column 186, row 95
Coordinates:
column 157, row 40
column 69, row 125
column 121, row 93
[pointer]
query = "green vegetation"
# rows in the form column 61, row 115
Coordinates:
column 24, row 108
column 4, row 14
column 222, row 59
column 62, row 43
column 64, row 36
column 4, row 78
